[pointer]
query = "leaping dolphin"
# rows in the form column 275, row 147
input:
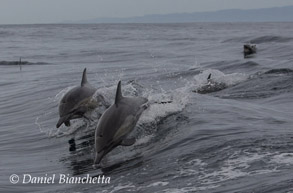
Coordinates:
column 77, row 102
column 117, row 122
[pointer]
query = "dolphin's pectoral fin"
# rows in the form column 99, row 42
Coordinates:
column 128, row 142
column 67, row 123
column 141, row 109
column 145, row 106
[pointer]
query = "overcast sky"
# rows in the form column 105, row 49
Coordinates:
column 54, row 11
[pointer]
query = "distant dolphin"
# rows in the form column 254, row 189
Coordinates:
column 211, row 86
column 117, row 122
column 77, row 102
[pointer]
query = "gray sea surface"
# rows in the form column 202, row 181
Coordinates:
column 236, row 139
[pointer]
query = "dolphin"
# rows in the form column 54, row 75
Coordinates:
column 77, row 102
column 211, row 86
column 117, row 122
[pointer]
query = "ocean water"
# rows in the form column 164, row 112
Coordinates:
column 236, row 139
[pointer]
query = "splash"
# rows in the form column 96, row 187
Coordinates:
column 218, row 76
column 162, row 103
column 217, row 81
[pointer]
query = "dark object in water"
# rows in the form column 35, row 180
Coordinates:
column 7, row 63
column 20, row 61
column 20, row 64
column 72, row 146
column 249, row 49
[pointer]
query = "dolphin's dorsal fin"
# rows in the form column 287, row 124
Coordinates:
column 84, row 79
column 118, row 94
column 209, row 77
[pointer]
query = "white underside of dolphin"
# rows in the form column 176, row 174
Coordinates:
column 117, row 122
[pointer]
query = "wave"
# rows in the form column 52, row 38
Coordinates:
column 249, row 64
column 236, row 40
column 233, row 65
column 266, row 39
column 258, row 40
column 162, row 104
column 261, row 85
column 83, row 133
column 221, row 162
column 4, row 34
column 279, row 71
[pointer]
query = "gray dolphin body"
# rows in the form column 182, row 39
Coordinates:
column 76, row 102
column 117, row 122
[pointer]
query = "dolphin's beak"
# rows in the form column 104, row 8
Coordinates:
column 60, row 122
column 98, row 157
column 97, row 161
column 65, row 120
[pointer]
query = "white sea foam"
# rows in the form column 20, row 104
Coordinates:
column 158, row 184
column 238, row 165
column 188, row 189
column 161, row 102
column 219, row 77
column 120, row 187
column 144, row 139
column 283, row 158
column 196, row 162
